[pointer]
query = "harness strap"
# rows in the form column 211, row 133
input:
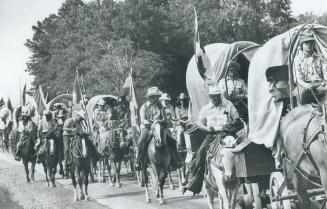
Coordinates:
column 303, row 151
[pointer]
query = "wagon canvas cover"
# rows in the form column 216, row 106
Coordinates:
column 219, row 55
column 264, row 113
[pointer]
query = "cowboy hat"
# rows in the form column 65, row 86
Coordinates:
column 306, row 36
column 214, row 89
column 153, row 91
column 165, row 96
column 81, row 113
column 183, row 96
column 46, row 112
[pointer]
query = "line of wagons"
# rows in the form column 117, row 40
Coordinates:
column 255, row 165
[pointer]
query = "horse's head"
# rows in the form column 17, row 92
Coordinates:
column 51, row 147
column 159, row 133
column 80, row 147
column 227, row 164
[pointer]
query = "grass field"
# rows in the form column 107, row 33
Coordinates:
column 6, row 201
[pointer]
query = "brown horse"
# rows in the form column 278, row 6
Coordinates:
column 50, row 162
column 28, row 153
column 159, row 156
column 220, row 177
column 305, row 146
column 81, row 164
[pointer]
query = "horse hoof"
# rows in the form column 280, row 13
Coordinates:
column 161, row 201
column 112, row 185
column 86, row 198
column 76, row 199
column 172, row 187
column 148, row 200
column 82, row 197
column 118, row 185
column 53, row 185
column 28, row 181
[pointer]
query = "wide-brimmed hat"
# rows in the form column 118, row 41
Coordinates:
column 46, row 112
column 26, row 111
column 81, row 113
column 214, row 89
column 153, row 91
column 182, row 96
column 165, row 96
column 101, row 102
column 306, row 36
column 234, row 66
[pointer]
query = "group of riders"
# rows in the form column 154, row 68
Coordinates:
column 219, row 119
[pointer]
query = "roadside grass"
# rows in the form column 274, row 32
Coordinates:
column 6, row 201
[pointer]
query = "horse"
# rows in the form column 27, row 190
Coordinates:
column 28, row 152
column 50, row 160
column 220, row 177
column 159, row 157
column 303, row 132
column 102, row 140
column 80, row 165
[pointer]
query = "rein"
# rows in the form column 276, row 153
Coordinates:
column 74, row 145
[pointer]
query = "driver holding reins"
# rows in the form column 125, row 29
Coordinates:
column 152, row 111
column 219, row 119
column 310, row 69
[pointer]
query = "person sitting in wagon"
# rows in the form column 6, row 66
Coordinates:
column 219, row 119
column 151, row 111
column 309, row 69
column 121, row 112
column 236, row 87
column 100, row 115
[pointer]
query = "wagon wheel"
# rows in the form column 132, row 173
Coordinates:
column 276, row 180
column 256, row 196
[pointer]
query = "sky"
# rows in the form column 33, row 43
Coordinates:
column 17, row 18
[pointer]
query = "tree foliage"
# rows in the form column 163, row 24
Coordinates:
column 105, row 39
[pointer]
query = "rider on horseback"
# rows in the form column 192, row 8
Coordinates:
column 46, row 129
column 219, row 118
column 182, row 118
column 71, row 126
column 169, row 109
column 151, row 111
column 25, row 129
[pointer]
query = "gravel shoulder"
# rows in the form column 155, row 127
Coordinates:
column 15, row 193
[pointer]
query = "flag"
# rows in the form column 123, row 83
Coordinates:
column 77, row 91
column 24, row 96
column 9, row 105
column 39, row 100
column 129, row 93
column 201, row 59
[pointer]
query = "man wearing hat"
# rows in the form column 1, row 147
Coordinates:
column 71, row 126
column 57, row 108
column 309, row 68
column 181, row 111
column 46, row 131
column 151, row 111
column 100, row 115
column 214, row 118
column 169, row 109
column 26, row 129
column 60, row 120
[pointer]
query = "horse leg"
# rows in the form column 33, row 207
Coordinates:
column 109, row 172
column 72, row 175
column 223, row 191
column 33, row 170
column 145, row 179
column 80, row 177
column 171, row 184
column 118, row 185
column 86, row 183
column 61, row 168
column 180, row 179
column 210, row 194
column 100, row 162
column 233, row 194
column 161, row 185
column 25, row 162
column 45, row 168
column 300, row 186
